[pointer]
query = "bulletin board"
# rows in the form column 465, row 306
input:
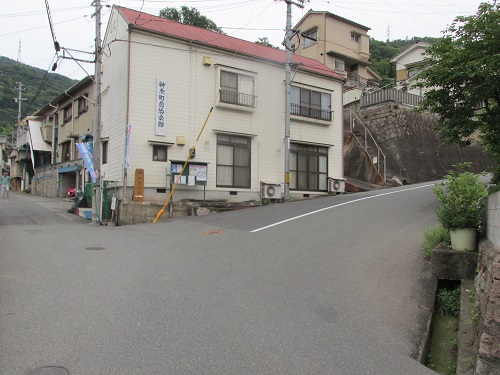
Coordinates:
column 195, row 173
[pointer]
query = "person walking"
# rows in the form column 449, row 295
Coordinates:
column 5, row 180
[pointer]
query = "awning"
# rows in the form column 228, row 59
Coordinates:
column 72, row 168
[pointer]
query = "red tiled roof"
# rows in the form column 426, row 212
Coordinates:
column 144, row 21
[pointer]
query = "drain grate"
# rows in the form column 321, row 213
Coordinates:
column 94, row 248
column 48, row 370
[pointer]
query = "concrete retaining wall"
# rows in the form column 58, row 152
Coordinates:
column 413, row 149
column 493, row 219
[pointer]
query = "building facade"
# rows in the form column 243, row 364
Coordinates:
column 409, row 64
column 340, row 44
column 57, row 128
column 163, row 82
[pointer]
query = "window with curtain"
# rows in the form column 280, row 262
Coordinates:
column 308, row 168
column 233, row 161
column 66, row 151
column 159, row 153
column 310, row 103
column 238, row 89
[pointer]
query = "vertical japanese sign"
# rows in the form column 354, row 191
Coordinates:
column 127, row 146
column 87, row 157
column 161, row 106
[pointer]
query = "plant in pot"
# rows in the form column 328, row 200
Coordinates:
column 462, row 199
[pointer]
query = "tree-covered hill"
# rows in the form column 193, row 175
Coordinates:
column 382, row 52
column 11, row 72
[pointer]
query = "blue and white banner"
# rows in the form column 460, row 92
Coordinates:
column 88, row 159
column 127, row 146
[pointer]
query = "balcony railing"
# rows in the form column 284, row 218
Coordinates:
column 311, row 112
column 237, row 98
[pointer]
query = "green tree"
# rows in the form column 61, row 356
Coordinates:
column 264, row 41
column 190, row 16
column 464, row 81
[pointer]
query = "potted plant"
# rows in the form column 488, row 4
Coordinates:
column 462, row 202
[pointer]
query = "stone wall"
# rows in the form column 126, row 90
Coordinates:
column 45, row 181
column 414, row 151
column 487, row 284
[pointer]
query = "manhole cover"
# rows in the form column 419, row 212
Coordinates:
column 48, row 370
column 94, row 248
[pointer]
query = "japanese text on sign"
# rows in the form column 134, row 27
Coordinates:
column 161, row 106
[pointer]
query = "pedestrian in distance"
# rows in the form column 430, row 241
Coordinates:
column 5, row 179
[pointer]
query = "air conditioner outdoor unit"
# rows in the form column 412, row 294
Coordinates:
column 271, row 191
column 336, row 185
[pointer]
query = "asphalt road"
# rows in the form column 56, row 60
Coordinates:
column 333, row 285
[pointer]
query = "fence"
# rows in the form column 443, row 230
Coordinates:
column 389, row 95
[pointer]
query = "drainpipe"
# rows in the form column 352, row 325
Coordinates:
column 72, row 153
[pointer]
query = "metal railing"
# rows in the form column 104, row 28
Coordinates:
column 311, row 112
column 380, row 167
column 389, row 95
column 237, row 98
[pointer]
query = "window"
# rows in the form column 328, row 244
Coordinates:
column 238, row 89
column 355, row 38
column 65, row 151
column 68, row 113
column 339, row 65
column 307, row 38
column 83, row 104
column 233, row 161
column 309, row 103
column 308, row 167
column 104, row 153
column 159, row 153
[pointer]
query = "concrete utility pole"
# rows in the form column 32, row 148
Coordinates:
column 19, row 100
column 288, row 92
column 96, row 155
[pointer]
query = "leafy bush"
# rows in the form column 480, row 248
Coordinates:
column 461, row 198
column 449, row 301
column 433, row 237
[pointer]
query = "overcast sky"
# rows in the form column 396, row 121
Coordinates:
column 25, row 22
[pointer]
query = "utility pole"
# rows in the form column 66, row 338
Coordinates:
column 96, row 154
column 19, row 100
column 288, row 91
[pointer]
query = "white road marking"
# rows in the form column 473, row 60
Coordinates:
column 337, row 205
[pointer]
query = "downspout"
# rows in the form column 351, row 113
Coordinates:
column 72, row 153
column 55, row 136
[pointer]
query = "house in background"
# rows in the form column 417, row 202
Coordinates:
column 342, row 45
column 59, row 126
column 160, row 80
column 409, row 64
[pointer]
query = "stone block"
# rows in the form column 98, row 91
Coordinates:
column 453, row 265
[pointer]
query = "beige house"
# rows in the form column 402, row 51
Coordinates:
column 57, row 128
column 409, row 64
column 341, row 44
column 161, row 79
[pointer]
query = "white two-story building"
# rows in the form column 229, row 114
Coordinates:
column 160, row 80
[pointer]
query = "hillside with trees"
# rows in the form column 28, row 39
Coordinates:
column 35, row 94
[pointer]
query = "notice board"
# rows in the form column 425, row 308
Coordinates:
column 195, row 173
